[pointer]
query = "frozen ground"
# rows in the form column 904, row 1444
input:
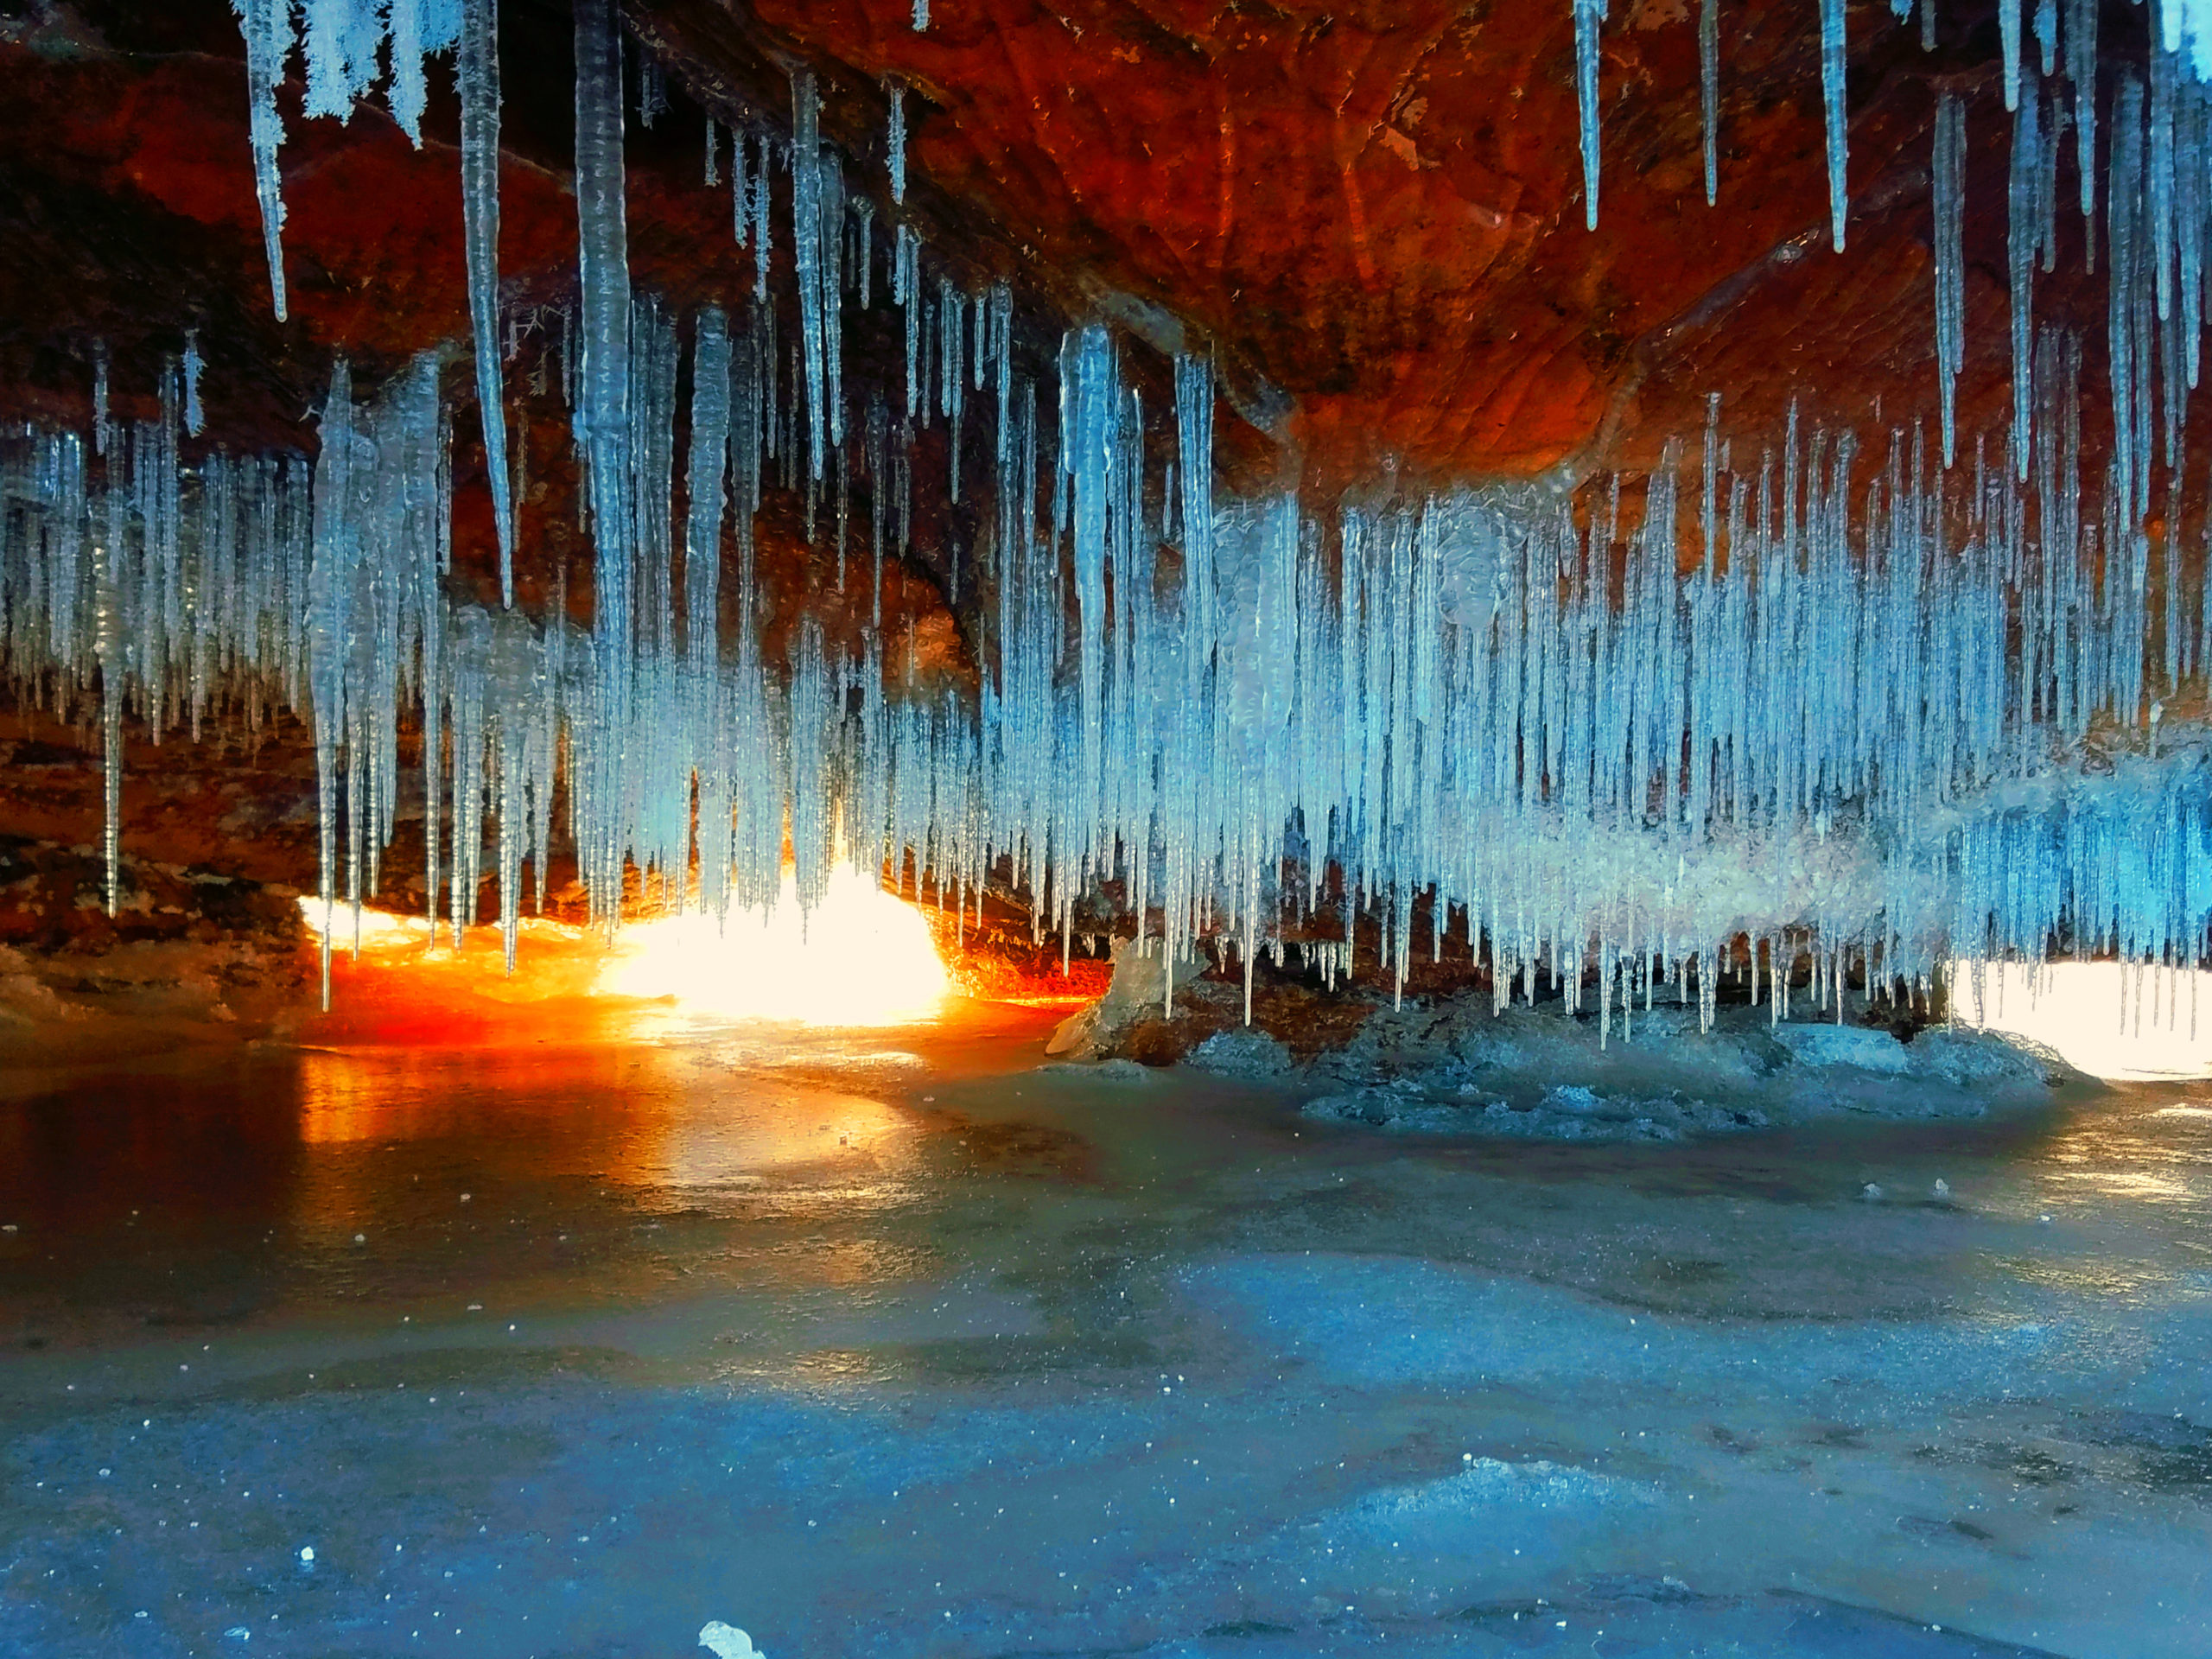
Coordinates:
column 899, row 1349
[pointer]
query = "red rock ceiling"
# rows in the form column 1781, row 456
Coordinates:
column 1374, row 209
column 1378, row 208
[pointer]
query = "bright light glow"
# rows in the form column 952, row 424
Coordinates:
column 2107, row 1020
column 860, row 958
column 380, row 929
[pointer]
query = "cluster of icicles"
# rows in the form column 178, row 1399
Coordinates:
column 1838, row 726
column 1881, row 708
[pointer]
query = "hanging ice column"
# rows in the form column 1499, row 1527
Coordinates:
column 1090, row 406
column 478, row 76
column 895, row 144
column 1708, row 74
column 814, row 229
column 702, row 538
column 377, row 539
column 267, row 26
column 1589, row 14
column 1832, row 99
column 602, row 419
column 1949, row 197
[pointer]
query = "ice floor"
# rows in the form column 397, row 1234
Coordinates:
column 899, row 1348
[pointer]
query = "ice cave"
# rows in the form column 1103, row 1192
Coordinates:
column 1193, row 828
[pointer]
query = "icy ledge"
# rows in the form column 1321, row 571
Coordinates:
column 1540, row 1073
column 1453, row 1066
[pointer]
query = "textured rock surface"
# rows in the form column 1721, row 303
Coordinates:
column 1374, row 213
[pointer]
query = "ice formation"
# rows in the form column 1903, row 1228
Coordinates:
column 1891, row 701
column 1589, row 14
column 1708, row 63
column 477, row 75
column 342, row 41
column 1832, row 62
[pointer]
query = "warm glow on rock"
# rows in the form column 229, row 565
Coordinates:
column 369, row 929
column 862, row 957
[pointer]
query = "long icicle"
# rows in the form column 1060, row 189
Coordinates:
column 1708, row 69
column 1588, row 15
column 1832, row 97
column 479, row 80
column 267, row 26
column 603, row 414
column 1950, row 202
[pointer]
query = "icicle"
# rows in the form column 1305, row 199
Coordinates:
column 763, row 236
column 2008, row 30
column 1832, row 96
column 416, row 30
column 603, row 402
column 193, row 418
column 477, row 75
column 806, row 243
column 1950, row 260
column 2020, row 248
column 267, row 26
column 897, row 143
column 1708, row 63
column 1194, row 428
column 1588, row 15
column 831, row 184
column 864, row 247
column 2082, row 70
column 99, row 397
column 703, row 540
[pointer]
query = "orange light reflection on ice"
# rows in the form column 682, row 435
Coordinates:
column 407, row 985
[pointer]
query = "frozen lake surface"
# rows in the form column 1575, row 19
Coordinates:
column 897, row 1346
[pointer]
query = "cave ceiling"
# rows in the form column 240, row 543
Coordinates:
column 1372, row 216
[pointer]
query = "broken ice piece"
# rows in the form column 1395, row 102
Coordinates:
column 1872, row 1192
column 726, row 1641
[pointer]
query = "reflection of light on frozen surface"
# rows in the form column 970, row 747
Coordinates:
column 2106, row 1019
column 385, row 930
column 860, row 958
